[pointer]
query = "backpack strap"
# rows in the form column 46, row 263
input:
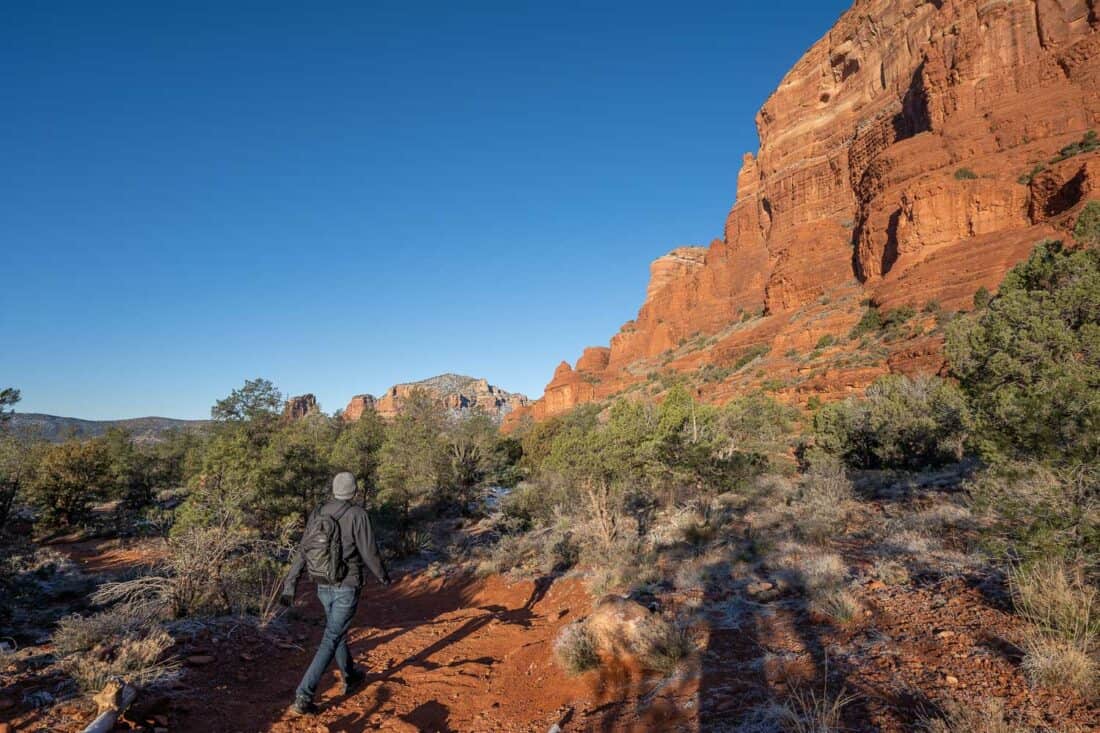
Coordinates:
column 347, row 505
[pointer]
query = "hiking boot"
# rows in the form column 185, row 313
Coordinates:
column 302, row 706
column 353, row 681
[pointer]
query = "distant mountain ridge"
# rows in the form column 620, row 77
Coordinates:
column 459, row 394
column 55, row 428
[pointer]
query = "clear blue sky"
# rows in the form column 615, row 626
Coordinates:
column 341, row 196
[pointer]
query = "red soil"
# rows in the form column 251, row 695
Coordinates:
column 468, row 654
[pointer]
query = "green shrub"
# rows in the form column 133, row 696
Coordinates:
column 900, row 423
column 69, row 478
column 825, row 341
column 760, row 429
column 1027, row 178
column 965, row 174
column 1032, row 512
column 750, row 355
column 1086, row 144
column 18, row 460
column 897, row 317
column 1030, row 360
column 871, row 322
column 1087, row 229
column 714, row 373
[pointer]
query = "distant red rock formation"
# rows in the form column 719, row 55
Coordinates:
column 359, row 404
column 459, row 394
column 300, row 406
column 909, row 158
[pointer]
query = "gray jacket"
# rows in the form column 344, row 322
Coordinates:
column 357, row 539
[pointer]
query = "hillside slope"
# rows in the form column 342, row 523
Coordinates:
column 911, row 157
column 56, row 429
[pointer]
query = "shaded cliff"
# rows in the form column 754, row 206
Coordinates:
column 910, row 158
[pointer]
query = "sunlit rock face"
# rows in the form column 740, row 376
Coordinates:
column 905, row 159
column 459, row 394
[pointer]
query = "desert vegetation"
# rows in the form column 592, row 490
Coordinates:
column 668, row 511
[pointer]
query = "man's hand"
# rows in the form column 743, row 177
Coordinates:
column 286, row 599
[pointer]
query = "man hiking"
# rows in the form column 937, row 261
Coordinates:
column 337, row 544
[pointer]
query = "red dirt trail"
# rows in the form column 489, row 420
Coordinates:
column 454, row 654
column 460, row 654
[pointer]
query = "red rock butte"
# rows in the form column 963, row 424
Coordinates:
column 910, row 158
column 459, row 394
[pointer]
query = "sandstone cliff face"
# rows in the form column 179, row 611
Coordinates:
column 300, row 406
column 908, row 158
column 359, row 404
column 459, row 394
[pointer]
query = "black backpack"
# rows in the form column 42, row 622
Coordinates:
column 323, row 550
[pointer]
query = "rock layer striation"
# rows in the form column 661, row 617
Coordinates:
column 910, row 157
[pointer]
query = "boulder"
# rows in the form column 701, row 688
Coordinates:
column 619, row 626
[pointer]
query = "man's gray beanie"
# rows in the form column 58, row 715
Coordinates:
column 343, row 486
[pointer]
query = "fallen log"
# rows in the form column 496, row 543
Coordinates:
column 112, row 700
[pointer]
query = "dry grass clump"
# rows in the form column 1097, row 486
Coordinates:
column 808, row 567
column 82, row 633
column 891, row 572
column 575, row 649
column 663, row 645
column 956, row 717
column 816, row 713
column 631, row 568
column 219, row 569
column 698, row 572
column 1062, row 609
column 207, row 571
column 1051, row 596
column 805, row 711
column 824, row 500
column 530, row 553
column 939, row 517
column 1056, row 663
column 908, row 542
column 138, row 658
column 146, row 596
column 658, row 644
column 770, row 507
column 836, row 603
column 822, row 571
column 822, row 576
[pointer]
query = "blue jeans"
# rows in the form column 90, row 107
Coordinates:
column 340, row 603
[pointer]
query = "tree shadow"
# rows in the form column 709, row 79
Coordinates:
column 430, row 717
column 761, row 655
